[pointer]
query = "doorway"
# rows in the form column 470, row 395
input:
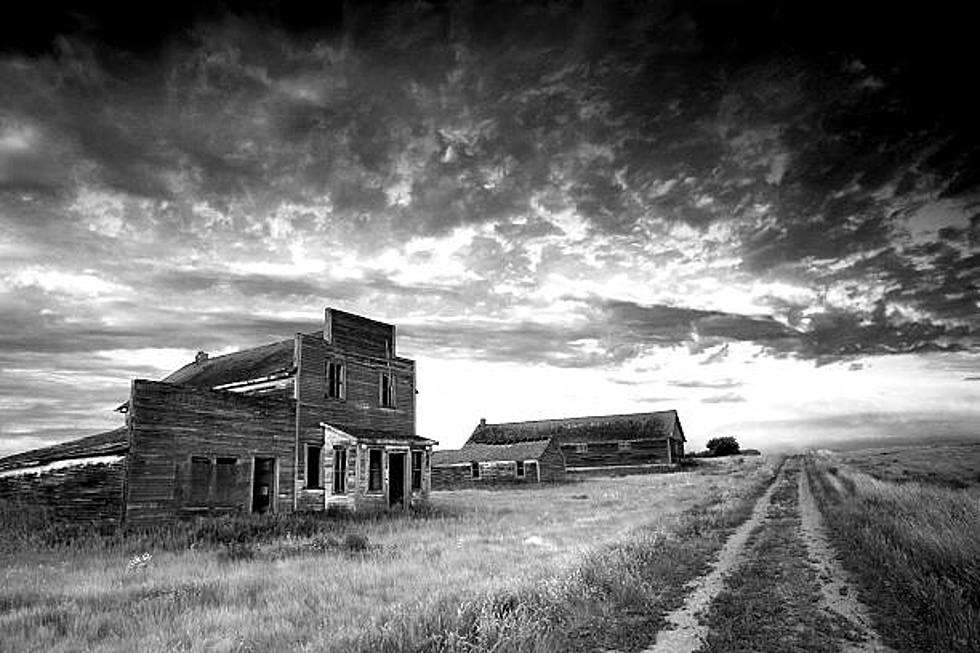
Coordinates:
column 263, row 484
column 396, row 480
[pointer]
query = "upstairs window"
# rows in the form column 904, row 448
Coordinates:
column 387, row 390
column 313, row 467
column 474, row 470
column 336, row 380
column 417, row 462
column 582, row 447
column 519, row 464
column 624, row 444
column 374, row 470
column 340, row 471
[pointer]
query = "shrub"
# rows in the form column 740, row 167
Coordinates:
column 725, row 446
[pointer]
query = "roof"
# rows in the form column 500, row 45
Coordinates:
column 579, row 429
column 253, row 363
column 377, row 434
column 100, row 444
column 531, row 450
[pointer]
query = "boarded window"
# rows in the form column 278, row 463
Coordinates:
column 374, row 470
column 387, row 390
column 582, row 447
column 340, row 471
column 520, row 468
column 417, row 460
column 313, row 467
column 624, row 444
column 200, row 480
column 474, row 470
column 224, row 479
column 336, row 380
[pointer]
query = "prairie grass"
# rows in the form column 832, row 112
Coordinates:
column 914, row 549
column 952, row 465
column 545, row 569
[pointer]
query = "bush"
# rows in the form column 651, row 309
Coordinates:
column 725, row 446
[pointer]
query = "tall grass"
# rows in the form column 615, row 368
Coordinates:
column 915, row 550
column 573, row 567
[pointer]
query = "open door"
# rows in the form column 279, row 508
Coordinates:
column 396, row 480
column 263, row 484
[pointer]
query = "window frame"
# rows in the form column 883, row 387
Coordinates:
column 624, row 445
column 319, row 468
column 386, row 390
column 219, row 492
column 581, row 447
column 380, row 488
column 336, row 379
column 339, row 470
column 519, row 469
column 195, row 498
column 420, row 456
column 475, row 470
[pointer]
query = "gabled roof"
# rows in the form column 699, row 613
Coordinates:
column 101, row 444
column 531, row 450
column 253, row 363
column 581, row 429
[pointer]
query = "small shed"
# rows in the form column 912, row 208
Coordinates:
column 476, row 464
column 369, row 469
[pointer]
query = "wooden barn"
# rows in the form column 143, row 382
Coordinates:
column 621, row 444
column 477, row 464
column 322, row 419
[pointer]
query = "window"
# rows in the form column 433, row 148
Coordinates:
column 224, row 479
column 313, row 467
column 374, row 470
column 624, row 444
column 387, row 390
column 520, row 468
column 582, row 447
column 336, row 380
column 474, row 470
column 200, row 480
column 339, row 470
column 417, row 461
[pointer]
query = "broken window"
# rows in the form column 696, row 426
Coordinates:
column 474, row 470
column 374, row 470
column 200, row 480
column 387, row 390
column 313, row 467
column 519, row 468
column 224, row 479
column 417, row 460
column 339, row 470
column 336, row 380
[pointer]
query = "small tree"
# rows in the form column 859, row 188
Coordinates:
column 724, row 446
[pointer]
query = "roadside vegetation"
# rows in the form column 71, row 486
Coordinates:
column 913, row 548
column 571, row 567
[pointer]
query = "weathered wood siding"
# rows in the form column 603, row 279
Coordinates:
column 90, row 493
column 366, row 348
column 610, row 454
column 171, row 424
column 552, row 463
column 356, row 495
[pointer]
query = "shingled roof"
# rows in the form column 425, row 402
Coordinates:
column 100, row 444
column 582, row 429
column 471, row 452
column 376, row 434
column 238, row 366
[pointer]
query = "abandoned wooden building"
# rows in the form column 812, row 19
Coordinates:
column 620, row 444
column 321, row 419
column 531, row 461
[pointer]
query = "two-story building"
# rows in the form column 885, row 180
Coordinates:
column 318, row 420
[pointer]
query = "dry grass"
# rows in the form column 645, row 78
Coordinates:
column 915, row 550
column 955, row 465
column 517, row 570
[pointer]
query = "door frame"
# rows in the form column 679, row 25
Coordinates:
column 273, row 491
column 403, row 452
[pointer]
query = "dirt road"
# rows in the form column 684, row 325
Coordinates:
column 776, row 585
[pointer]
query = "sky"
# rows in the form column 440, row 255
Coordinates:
column 765, row 215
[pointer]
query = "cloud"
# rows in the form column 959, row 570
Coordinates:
column 697, row 383
column 728, row 397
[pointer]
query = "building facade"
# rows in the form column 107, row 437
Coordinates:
column 322, row 419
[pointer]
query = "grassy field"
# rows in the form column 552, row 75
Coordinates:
column 573, row 567
column 953, row 465
column 914, row 547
